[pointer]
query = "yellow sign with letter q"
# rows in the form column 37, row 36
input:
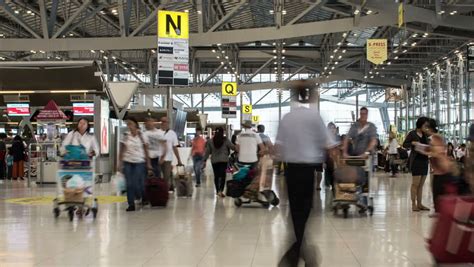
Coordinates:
column 173, row 24
column 229, row 89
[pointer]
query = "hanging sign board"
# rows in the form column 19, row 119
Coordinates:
column 229, row 89
column 229, row 100
column 173, row 48
column 401, row 14
column 255, row 119
column 247, row 109
column 377, row 50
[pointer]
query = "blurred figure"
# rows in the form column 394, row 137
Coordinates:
column 461, row 153
column 416, row 141
column 19, row 156
column 3, row 156
column 393, row 153
column 330, row 163
column 81, row 137
column 450, row 151
column 156, row 146
column 134, row 161
column 267, row 142
column 362, row 135
column 218, row 148
column 198, row 150
column 170, row 147
column 301, row 143
column 469, row 160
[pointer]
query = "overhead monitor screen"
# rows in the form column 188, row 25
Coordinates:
column 83, row 109
column 18, row 109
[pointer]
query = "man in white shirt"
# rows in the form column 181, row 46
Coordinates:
column 302, row 142
column 249, row 145
column 156, row 145
column 170, row 147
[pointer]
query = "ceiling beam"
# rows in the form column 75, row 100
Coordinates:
column 229, row 15
column 8, row 10
column 52, row 17
column 71, row 18
column 44, row 18
column 306, row 11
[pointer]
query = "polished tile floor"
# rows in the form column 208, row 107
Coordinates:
column 205, row 231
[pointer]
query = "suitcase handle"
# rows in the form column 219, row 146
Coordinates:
column 465, row 226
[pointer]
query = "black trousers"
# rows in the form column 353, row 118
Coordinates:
column 219, row 175
column 438, row 186
column 300, row 183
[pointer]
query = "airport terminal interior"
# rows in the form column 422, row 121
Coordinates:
column 87, row 179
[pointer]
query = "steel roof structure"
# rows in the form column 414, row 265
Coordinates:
column 325, row 38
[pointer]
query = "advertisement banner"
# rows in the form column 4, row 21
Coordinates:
column 377, row 50
column 104, row 126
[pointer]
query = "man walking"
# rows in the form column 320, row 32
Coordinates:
column 301, row 143
column 155, row 144
column 249, row 145
column 171, row 147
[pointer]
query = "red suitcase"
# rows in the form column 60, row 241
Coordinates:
column 156, row 191
column 452, row 239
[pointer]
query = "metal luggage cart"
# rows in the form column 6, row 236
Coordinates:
column 77, row 201
column 352, row 193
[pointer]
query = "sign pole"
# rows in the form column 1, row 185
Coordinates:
column 169, row 103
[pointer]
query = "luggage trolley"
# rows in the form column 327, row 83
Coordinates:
column 75, row 187
column 352, row 186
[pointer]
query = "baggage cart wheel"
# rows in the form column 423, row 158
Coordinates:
column 371, row 211
column 56, row 212
column 346, row 212
column 94, row 212
column 275, row 201
column 70, row 213
column 238, row 202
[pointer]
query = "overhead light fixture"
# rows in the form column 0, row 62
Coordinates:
column 33, row 51
column 186, row 10
column 222, row 62
column 441, row 12
column 102, row 12
column 355, row 35
column 275, row 62
column 413, row 44
column 395, row 51
column 405, row 43
column 396, row 57
column 153, row 51
column 274, row 51
column 377, row 73
column 331, row 56
column 335, row 50
column 370, row 72
column 337, row 62
column 16, row 92
column 272, row 11
column 344, row 35
column 92, row 51
column 456, row 51
column 71, row 34
column 371, row 77
column 42, row 52
column 283, row 57
column 339, row 57
column 283, row 51
column 365, row 77
column 333, row 68
column 199, row 12
column 414, row 35
column 356, row 12
column 339, row 43
column 325, row 68
column 225, row 68
column 218, row 44
column 17, row 12
column 453, row 12
column 284, row 12
column 102, row 51
column 344, row 51
column 330, row 73
column 213, row 50
column 274, row 57
column 106, row 57
column 369, row 12
column 28, row 12
column 2, row 58
column 425, row 34
column 404, row 51
column 389, row 63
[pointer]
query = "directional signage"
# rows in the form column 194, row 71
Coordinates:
column 229, row 100
column 401, row 14
column 377, row 50
column 255, row 119
column 247, row 109
column 173, row 48
column 229, row 89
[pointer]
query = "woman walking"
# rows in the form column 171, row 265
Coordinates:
column 417, row 140
column 134, row 161
column 219, row 149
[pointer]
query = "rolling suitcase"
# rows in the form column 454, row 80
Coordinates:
column 183, row 182
column 452, row 239
column 156, row 191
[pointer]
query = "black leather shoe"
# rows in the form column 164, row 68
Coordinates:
column 130, row 209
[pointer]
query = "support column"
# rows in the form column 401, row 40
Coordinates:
column 461, row 90
column 428, row 92
column 420, row 91
column 413, row 105
column 169, row 106
column 357, row 107
column 438, row 94
column 449, row 121
column 407, row 110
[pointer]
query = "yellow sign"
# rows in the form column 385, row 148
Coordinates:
column 173, row 24
column 229, row 89
column 247, row 109
column 401, row 14
column 48, row 200
column 255, row 119
column 377, row 50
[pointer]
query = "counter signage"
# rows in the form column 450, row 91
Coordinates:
column 229, row 100
column 21, row 109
